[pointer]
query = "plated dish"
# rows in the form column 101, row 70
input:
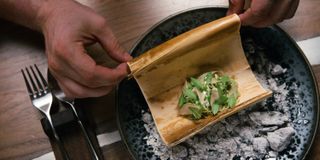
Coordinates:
column 161, row 73
column 275, row 59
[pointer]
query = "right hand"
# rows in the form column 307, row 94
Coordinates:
column 263, row 13
column 68, row 27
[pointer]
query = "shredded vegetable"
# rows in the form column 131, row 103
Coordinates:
column 208, row 95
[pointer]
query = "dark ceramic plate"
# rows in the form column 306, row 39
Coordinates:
column 281, row 50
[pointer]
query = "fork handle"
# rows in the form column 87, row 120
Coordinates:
column 57, row 138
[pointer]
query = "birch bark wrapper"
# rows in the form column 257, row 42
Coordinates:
column 162, row 71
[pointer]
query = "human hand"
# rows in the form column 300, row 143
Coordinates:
column 262, row 13
column 68, row 27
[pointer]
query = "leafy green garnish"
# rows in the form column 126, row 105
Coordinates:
column 196, row 112
column 208, row 97
column 225, row 87
column 215, row 108
column 196, row 83
column 188, row 85
column 182, row 101
column 232, row 100
column 209, row 85
column 225, row 79
column 190, row 95
column 223, row 84
column 222, row 100
column 208, row 77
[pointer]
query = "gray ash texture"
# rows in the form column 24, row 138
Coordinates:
column 260, row 132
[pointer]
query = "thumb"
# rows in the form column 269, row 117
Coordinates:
column 235, row 6
column 111, row 45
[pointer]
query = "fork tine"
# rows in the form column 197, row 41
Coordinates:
column 41, row 88
column 44, row 82
column 32, row 82
column 27, row 83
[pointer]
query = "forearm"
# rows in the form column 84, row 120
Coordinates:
column 29, row 13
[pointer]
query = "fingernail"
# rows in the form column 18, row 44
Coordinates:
column 231, row 7
column 128, row 70
column 127, row 57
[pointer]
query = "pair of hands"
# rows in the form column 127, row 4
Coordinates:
column 69, row 27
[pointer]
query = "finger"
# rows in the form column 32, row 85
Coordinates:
column 111, row 45
column 90, row 72
column 75, row 90
column 279, row 12
column 62, row 64
column 259, row 10
column 235, row 6
column 79, row 66
column 292, row 10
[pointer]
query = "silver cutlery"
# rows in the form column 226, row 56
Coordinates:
column 70, row 101
column 42, row 98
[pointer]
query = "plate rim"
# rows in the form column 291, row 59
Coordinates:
column 140, row 38
column 314, row 81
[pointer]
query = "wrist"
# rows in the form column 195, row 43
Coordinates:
column 44, row 13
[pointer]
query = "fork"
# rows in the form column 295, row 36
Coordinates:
column 41, row 98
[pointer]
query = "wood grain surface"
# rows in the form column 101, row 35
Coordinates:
column 21, row 135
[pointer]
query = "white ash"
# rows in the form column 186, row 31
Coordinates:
column 260, row 144
column 280, row 138
column 214, row 141
column 268, row 129
column 272, row 155
column 272, row 118
column 280, row 92
column 246, row 134
column 278, row 70
column 239, row 136
column 235, row 136
column 146, row 117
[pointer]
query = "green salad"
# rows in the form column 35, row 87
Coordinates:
column 207, row 95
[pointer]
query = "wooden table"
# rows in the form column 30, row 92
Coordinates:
column 21, row 135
